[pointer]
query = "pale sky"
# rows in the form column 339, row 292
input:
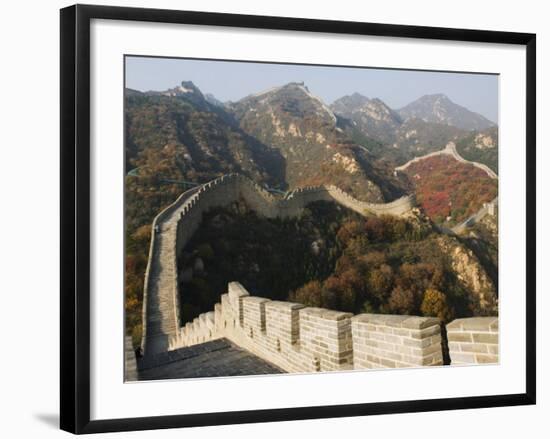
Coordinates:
column 231, row 81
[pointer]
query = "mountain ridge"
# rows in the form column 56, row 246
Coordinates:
column 308, row 134
column 440, row 109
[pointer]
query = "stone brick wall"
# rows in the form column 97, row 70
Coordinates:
column 293, row 337
column 396, row 207
column 304, row 339
column 175, row 225
column 325, row 337
column 473, row 340
column 381, row 341
column 160, row 316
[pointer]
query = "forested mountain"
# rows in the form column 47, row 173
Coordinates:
column 448, row 191
column 286, row 138
column 178, row 135
column 336, row 259
column 425, row 125
column 480, row 147
column 315, row 147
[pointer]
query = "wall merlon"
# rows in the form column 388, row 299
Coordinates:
column 473, row 340
column 395, row 341
column 235, row 289
column 254, row 312
column 325, row 336
column 282, row 321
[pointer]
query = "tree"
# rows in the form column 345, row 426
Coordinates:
column 346, row 287
column 380, row 281
column 310, row 294
column 358, row 246
column 348, row 231
column 401, row 301
column 434, row 304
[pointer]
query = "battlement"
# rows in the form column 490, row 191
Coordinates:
column 174, row 226
column 297, row 338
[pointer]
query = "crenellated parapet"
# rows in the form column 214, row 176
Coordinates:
column 297, row 338
column 174, row 226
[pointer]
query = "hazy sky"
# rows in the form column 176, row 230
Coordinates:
column 228, row 80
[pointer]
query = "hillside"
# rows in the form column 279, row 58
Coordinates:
column 449, row 191
column 423, row 126
column 286, row 138
column 371, row 117
column 174, row 137
column 332, row 258
column 415, row 137
column 316, row 150
column 480, row 147
column 178, row 135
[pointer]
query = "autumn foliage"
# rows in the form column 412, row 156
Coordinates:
column 447, row 188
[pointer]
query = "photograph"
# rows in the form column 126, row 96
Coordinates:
column 263, row 219
column 298, row 218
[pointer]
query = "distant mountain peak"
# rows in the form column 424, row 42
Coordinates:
column 372, row 117
column 358, row 102
column 187, row 91
column 185, row 88
column 438, row 108
column 293, row 96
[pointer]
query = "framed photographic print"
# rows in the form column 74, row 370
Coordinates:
column 284, row 218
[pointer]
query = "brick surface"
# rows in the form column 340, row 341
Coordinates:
column 473, row 340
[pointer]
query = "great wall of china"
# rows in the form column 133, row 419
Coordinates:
column 175, row 225
column 297, row 338
column 450, row 149
column 289, row 335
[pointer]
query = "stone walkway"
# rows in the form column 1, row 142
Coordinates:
column 161, row 318
column 216, row 358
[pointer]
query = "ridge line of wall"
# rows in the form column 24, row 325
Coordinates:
column 178, row 222
column 450, row 149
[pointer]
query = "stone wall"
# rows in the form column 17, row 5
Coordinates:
column 297, row 338
column 486, row 209
column 473, row 340
column 290, row 335
column 382, row 341
column 304, row 339
column 160, row 316
column 175, row 225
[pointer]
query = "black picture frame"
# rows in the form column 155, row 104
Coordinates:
column 75, row 217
